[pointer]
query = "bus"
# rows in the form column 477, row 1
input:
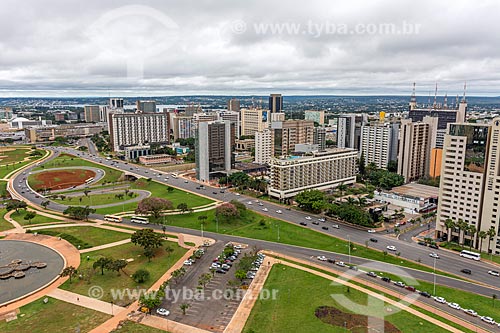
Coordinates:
column 113, row 218
column 89, row 180
column 139, row 219
column 470, row 255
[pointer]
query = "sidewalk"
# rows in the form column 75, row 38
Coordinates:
column 106, row 246
column 87, row 302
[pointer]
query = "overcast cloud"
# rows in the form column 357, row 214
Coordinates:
column 72, row 48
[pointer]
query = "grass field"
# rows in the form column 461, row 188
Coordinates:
column 295, row 305
column 12, row 156
column 4, row 225
column 55, row 316
column 3, row 189
column 110, row 280
column 132, row 327
column 19, row 218
column 6, row 169
column 86, row 237
column 94, row 199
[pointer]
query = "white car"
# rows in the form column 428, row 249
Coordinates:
column 188, row 263
column 279, row 211
column 265, row 209
column 470, row 312
column 488, row 320
column 454, row 306
column 494, row 273
column 336, row 226
column 249, row 203
column 237, row 194
column 391, row 248
column 440, row 300
column 162, row 312
column 371, row 231
column 340, row 263
column 321, row 220
column 308, row 217
column 321, row 258
column 434, row 255
column 261, row 204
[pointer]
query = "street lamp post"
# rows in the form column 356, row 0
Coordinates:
column 349, row 239
column 434, row 274
column 202, row 230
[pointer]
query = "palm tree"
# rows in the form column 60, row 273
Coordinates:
column 472, row 230
column 69, row 271
column 491, row 234
column 450, row 225
column 184, row 308
column 482, row 236
column 102, row 263
column 462, row 226
column 350, row 201
column 361, row 201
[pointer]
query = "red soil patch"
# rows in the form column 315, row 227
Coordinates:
column 61, row 179
column 353, row 322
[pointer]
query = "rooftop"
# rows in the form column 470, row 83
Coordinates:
column 417, row 190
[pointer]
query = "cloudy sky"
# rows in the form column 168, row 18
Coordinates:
column 230, row 47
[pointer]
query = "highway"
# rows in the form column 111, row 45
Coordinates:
column 448, row 262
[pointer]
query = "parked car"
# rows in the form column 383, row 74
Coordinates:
column 399, row 284
column 279, row 211
column 188, row 262
column 371, row 231
column 336, row 226
column 454, row 306
column 434, row 246
column 434, row 255
column 440, row 300
column 373, row 240
column 340, row 263
column 386, row 279
column 221, row 271
column 425, row 294
column 324, row 228
column 470, row 312
column 466, row 271
column 162, row 312
column 372, row 274
column 321, row 258
column 391, row 248
column 411, row 288
column 303, row 223
column 488, row 320
column 308, row 217
column 422, row 243
column 315, row 223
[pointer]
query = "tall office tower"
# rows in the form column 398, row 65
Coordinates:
column 349, row 130
column 116, row 103
column 288, row 133
column 470, row 181
column 103, row 113
column 379, row 143
column 253, row 120
column 320, row 137
column 193, row 109
column 133, row 129
column 183, row 127
column 233, row 105
column 275, row 103
column 316, row 116
column 214, row 148
column 146, row 106
column 278, row 116
column 416, row 141
column 203, row 116
column 263, row 146
column 92, row 113
column 233, row 117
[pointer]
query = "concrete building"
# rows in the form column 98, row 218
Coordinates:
column 116, row 103
column 214, row 149
column 275, row 103
column 183, row 127
column 233, row 117
column 321, row 170
column 92, row 113
column 137, row 129
column 233, row 105
column 349, row 130
column 42, row 133
column 414, row 198
column 320, row 137
column 436, row 161
column 254, row 120
column 146, row 106
column 379, row 143
column 278, row 116
column 149, row 160
column 288, row 133
column 263, row 146
column 134, row 152
column 6, row 114
column 316, row 116
column 416, row 141
column 470, row 181
column 21, row 123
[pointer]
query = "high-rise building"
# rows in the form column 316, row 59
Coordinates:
column 275, row 103
column 379, row 143
column 349, row 130
column 92, row 113
column 233, row 105
column 146, row 106
column 116, row 103
column 183, row 127
column 133, row 129
column 263, row 146
column 6, row 114
column 254, row 120
column 320, row 170
column 416, row 141
column 316, row 116
column 470, row 182
column 288, row 133
column 215, row 144
column 320, row 137
column 233, row 117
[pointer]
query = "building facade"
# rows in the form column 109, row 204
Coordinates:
column 275, row 103
column 43, row 133
column 92, row 113
column 349, row 130
column 263, row 146
column 320, row 137
column 253, row 120
column 322, row 170
column 233, row 105
column 316, row 116
column 379, row 143
column 146, row 106
column 288, row 133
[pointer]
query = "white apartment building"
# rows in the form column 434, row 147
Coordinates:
column 263, row 146
column 132, row 129
column 320, row 170
column 379, row 143
column 253, row 120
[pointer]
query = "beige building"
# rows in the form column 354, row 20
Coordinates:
column 263, row 146
column 50, row 132
column 319, row 170
column 416, row 140
column 253, row 120
column 288, row 133
column 92, row 113
column 379, row 143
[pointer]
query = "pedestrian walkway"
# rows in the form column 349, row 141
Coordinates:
column 106, row 246
column 87, row 302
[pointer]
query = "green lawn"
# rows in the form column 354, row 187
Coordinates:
column 16, row 155
column 19, row 217
column 86, row 237
column 55, row 316
column 4, row 225
column 6, row 169
column 249, row 225
column 3, row 189
column 300, row 293
column 133, row 327
column 110, row 280
column 94, row 199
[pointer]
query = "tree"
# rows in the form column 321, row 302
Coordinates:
column 183, row 207
column 140, row 276
column 170, row 189
column 240, row 274
column 86, row 192
column 30, row 216
column 45, row 203
column 78, row 212
column 150, row 300
column 153, row 206
column 102, row 263
column 482, row 236
column 202, row 219
column 169, row 250
column 178, row 274
column 69, row 271
column 450, row 225
column 238, row 178
column 118, row 265
column 184, row 308
column 472, row 230
column 311, row 201
column 148, row 240
column 15, row 205
column 204, row 279
column 491, row 234
column 462, row 227
column 227, row 210
column 361, row 164
column 392, row 166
